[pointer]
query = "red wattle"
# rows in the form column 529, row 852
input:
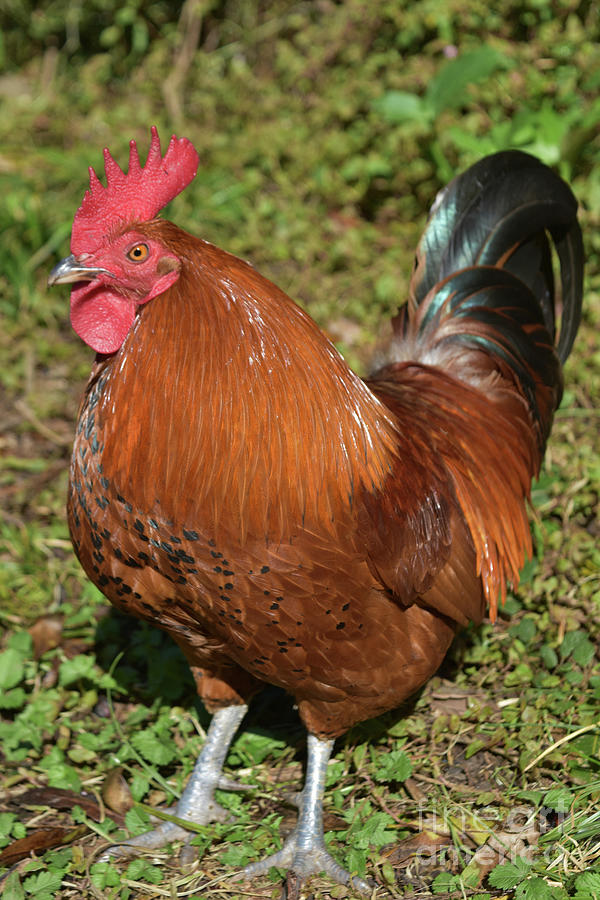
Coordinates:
column 101, row 317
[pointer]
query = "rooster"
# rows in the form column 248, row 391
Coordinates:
column 236, row 484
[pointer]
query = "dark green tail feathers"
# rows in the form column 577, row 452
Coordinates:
column 483, row 302
column 499, row 213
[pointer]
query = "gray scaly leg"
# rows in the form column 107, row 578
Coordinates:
column 197, row 803
column 304, row 851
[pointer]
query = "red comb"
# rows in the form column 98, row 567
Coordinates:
column 135, row 197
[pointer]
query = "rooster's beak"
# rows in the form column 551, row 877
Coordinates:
column 70, row 269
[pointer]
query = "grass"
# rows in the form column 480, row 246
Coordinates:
column 324, row 131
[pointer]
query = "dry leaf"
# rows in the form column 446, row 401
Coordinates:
column 38, row 841
column 60, row 798
column 423, row 846
column 46, row 634
column 116, row 793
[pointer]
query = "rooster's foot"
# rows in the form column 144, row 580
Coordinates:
column 306, row 858
column 197, row 804
column 304, row 852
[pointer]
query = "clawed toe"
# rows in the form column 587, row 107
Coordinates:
column 228, row 784
column 176, row 829
column 197, row 805
column 304, row 852
column 307, row 860
column 149, row 840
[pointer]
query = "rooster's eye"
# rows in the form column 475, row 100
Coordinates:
column 138, row 253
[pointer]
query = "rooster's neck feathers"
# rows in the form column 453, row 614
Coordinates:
column 254, row 406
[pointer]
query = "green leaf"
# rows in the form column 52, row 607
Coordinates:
column 6, row 823
column 236, row 855
column 570, row 642
column 13, row 889
column 588, row 886
column 137, row 820
column 445, row 883
column 106, row 682
column 388, row 872
column 394, row 766
column 14, row 699
column 533, row 889
column 252, row 749
column 521, row 674
column 11, row 668
column 448, row 89
column 559, row 799
column 509, row 875
column 105, row 875
column 525, row 630
column 60, row 774
column 548, row 655
column 60, row 860
column 400, row 106
column 43, row 882
column 372, row 832
column 358, row 755
column 335, row 771
column 139, row 785
column 22, row 642
column 152, row 747
column 76, row 669
column 474, row 747
column 583, row 653
column 80, row 755
column 142, row 870
column 356, row 861
column 531, row 565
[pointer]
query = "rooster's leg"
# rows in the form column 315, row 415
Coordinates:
column 304, row 851
column 197, row 803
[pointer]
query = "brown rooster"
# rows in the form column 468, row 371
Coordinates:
column 235, row 483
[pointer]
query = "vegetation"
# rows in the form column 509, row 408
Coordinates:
column 325, row 130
